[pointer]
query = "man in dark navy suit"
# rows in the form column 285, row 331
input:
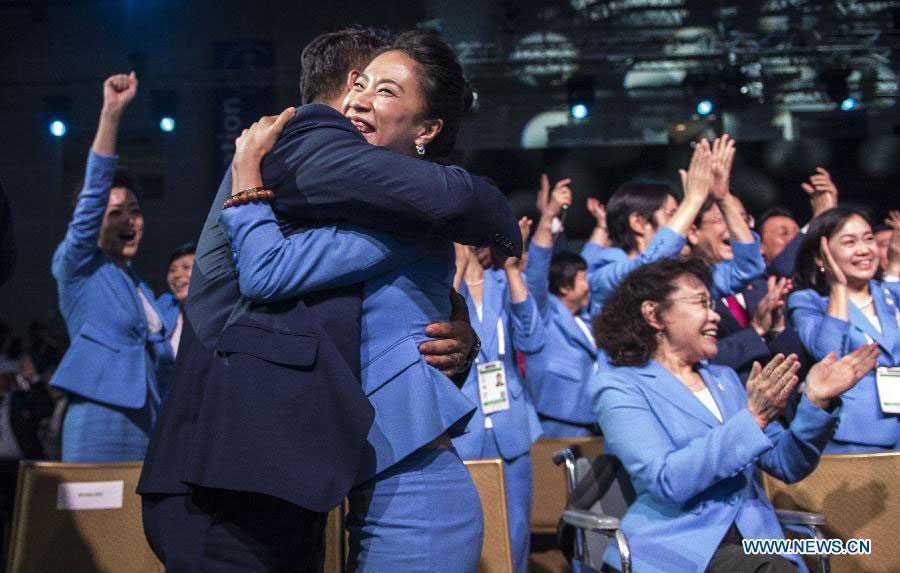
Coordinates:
column 266, row 423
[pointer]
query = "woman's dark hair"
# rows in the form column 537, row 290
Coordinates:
column 182, row 250
column 446, row 92
column 563, row 268
column 121, row 178
column 641, row 197
column 806, row 271
column 620, row 328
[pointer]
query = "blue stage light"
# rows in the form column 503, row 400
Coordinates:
column 167, row 124
column 705, row 107
column 579, row 111
column 58, row 128
column 848, row 104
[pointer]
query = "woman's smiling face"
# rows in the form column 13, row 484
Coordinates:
column 853, row 247
column 385, row 103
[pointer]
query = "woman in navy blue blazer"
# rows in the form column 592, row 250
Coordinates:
column 415, row 507
column 689, row 434
column 840, row 306
column 119, row 350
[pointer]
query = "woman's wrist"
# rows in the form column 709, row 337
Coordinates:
column 818, row 401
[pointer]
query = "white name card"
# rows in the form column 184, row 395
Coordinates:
column 90, row 495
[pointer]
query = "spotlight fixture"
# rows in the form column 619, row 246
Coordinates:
column 705, row 107
column 581, row 96
column 58, row 110
column 163, row 105
column 848, row 104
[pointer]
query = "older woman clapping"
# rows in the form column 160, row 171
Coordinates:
column 690, row 436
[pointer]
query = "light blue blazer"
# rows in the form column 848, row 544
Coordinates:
column 406, row 287
column 112, row 357
column 557, row 376
column 517, row 428
column 693, row 475
column 863, row 426
column 611, row 266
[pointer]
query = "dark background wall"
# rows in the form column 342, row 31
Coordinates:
column 52, row 48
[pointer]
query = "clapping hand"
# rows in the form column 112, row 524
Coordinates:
column 770, row 310
column 822, row 192
column 769, row 387
column 598, row 211
column 833, row 272
column 696, row 181
column 831, row 377
column 722, row 159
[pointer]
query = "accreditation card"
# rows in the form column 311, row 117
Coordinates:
column 888, row 382
column 492, row 387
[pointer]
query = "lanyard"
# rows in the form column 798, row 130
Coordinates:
column 501, row 350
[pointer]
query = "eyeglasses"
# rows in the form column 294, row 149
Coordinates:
column 702, row 299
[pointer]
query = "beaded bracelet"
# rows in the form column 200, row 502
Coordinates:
column 247, row 195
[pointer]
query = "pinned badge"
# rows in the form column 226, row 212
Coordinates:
column 719, row 384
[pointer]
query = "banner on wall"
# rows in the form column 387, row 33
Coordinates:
column 247, row 93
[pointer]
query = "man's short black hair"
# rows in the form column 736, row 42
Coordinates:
column 328, row 59
column 564, row 266
column 776, row 211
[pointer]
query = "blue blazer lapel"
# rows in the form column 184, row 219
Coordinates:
column 887, row 310
column 722, row 392
column 570, row 328
column 671, row 389
column 493, row 308
column 862, row 322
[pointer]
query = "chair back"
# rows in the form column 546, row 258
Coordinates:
column 496, row 550
column 336, row 545
column 550, row 491
column 603, row 487
column 79, row 518
column 859, row 495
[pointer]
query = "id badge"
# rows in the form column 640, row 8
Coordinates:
column 492, row 387
column 888, row 383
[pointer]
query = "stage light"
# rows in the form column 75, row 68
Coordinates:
column 581, row 96
column 58, row 114
column 579, row 111
column 705, row 107
column 164, row 107
column 58, row 128
column 848, row 104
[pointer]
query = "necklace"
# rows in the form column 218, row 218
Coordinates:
column 866, row 304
